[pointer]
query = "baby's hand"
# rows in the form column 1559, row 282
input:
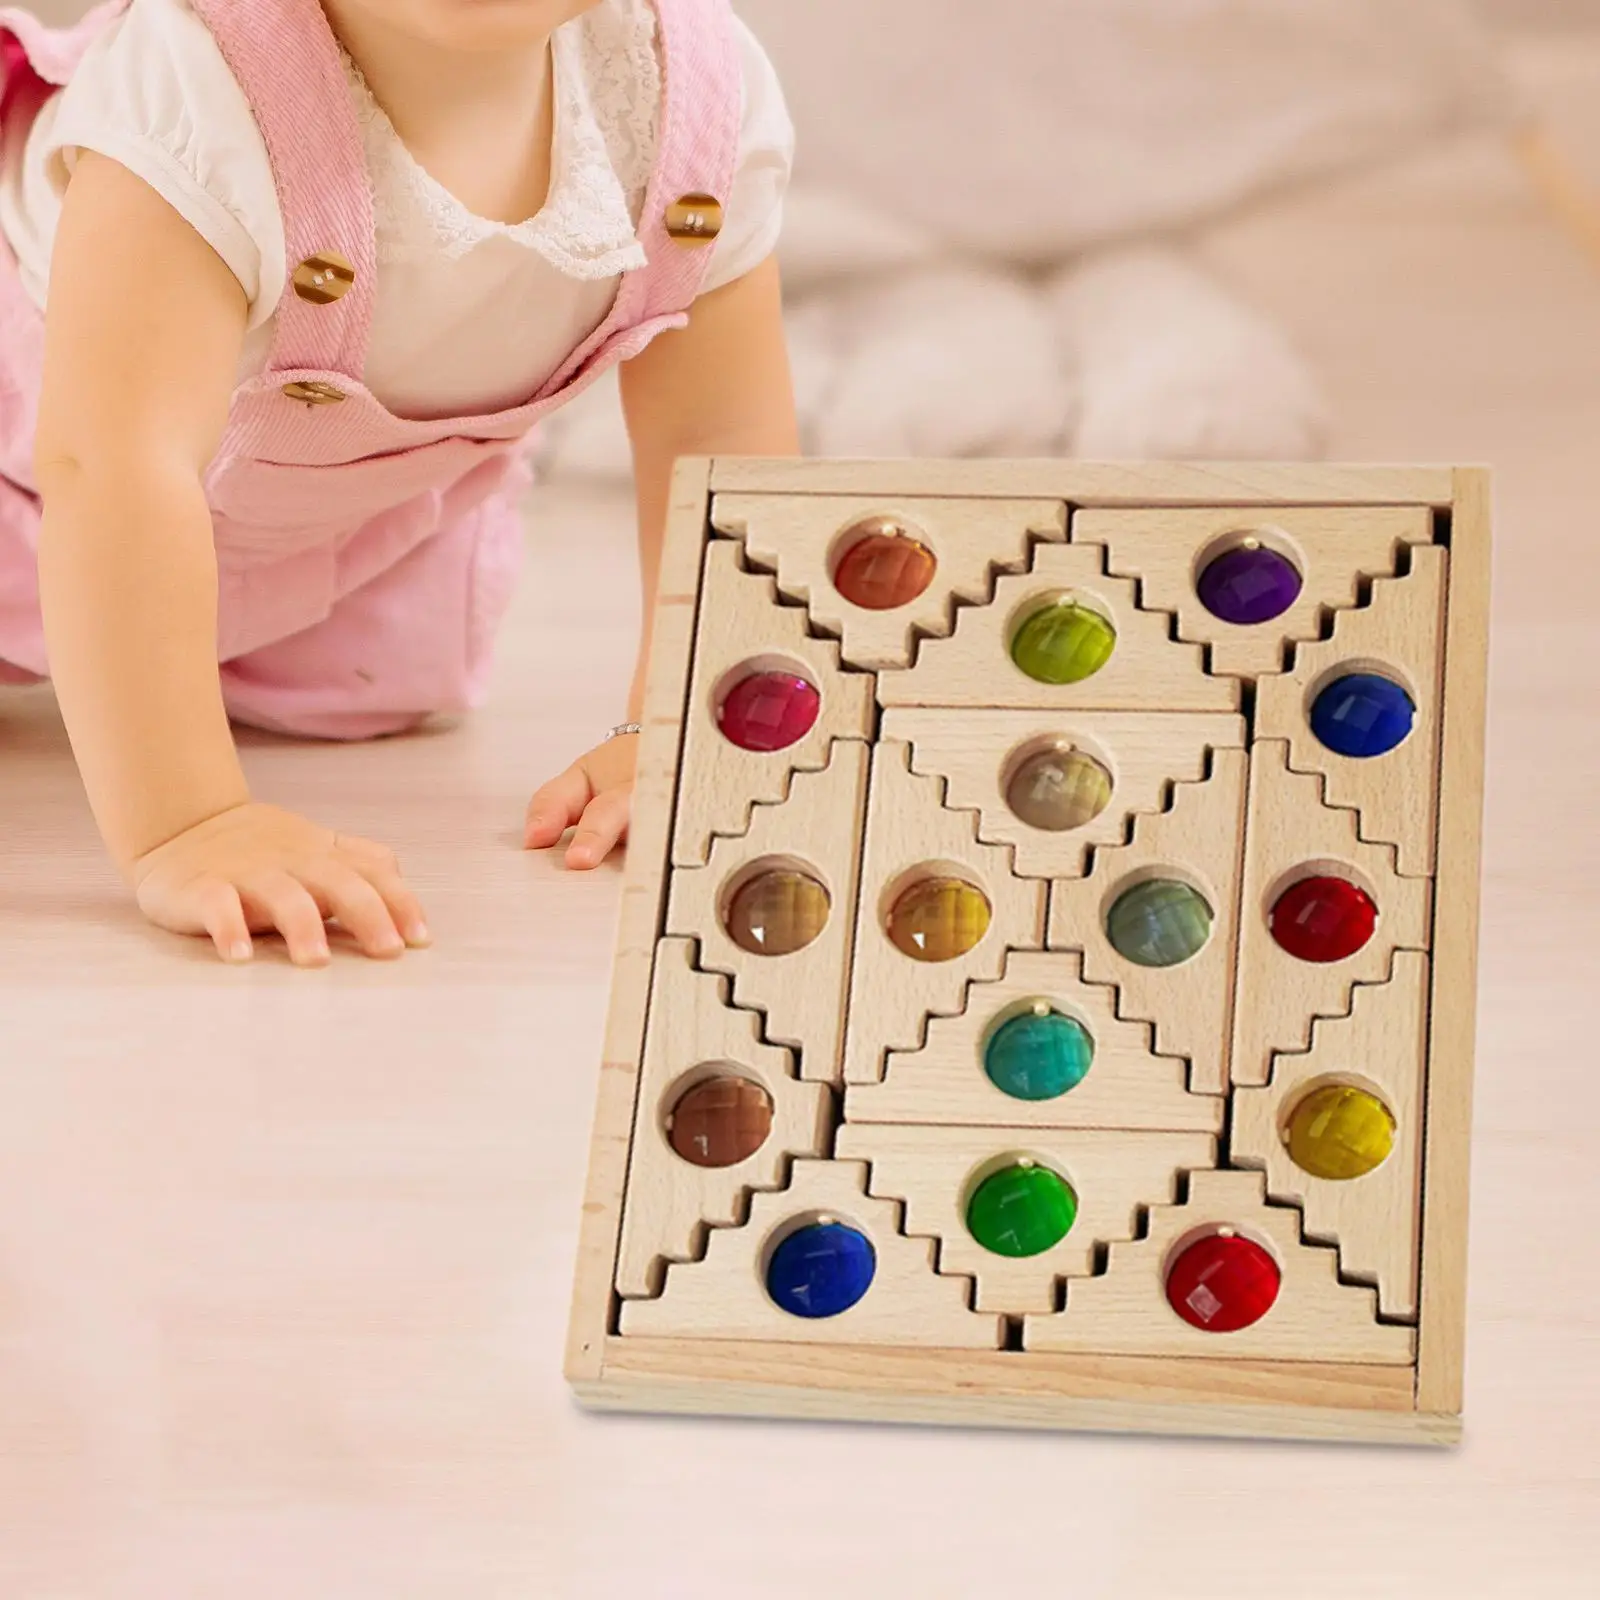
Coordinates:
column 256, row 869
column 596, row 792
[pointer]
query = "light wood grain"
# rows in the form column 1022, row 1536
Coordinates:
column 1199, row 842
column 1099, row 483
column 1400, row 635
column 724, row 1295
column 977, row 752
column 1127, row 1086
column 973, row 667
column 800, row 539
column 740, row 627
column 695, row 1034
column 1453, row 1039
column 934, row 1171
column 1291, row 835
column 911, row 835
column 1333, row 548
column 817, row 827
column 1382, row 1047
column 1314, row 1318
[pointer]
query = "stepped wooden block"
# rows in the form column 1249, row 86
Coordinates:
column 974, row 668
column 817, row 829
column 801, row 539
column 1333, row 548
column 742, row 629
column 1198, row 842
column 1291, row 835
column 724, row 1296
column 1314, row 1318
column 1400, row 634
column 934, row 1171
column 695, row 1035
column 977, row 754
column 910, row 835
column 1380, row 1046
column 944, row 1082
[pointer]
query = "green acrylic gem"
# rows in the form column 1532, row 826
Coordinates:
column 1022, row 1210
column 1039, row 1055
column 1063, row 642
column 1159, row 923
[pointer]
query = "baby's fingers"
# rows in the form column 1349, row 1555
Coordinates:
column 281, row 902
column 342, row 892
column 556, row 807
column 605, row 821
column 222, row 916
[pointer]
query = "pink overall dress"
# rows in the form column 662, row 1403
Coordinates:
column 365, row 560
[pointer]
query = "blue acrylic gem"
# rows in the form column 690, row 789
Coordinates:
column 821, row 1270
column 1362, row 715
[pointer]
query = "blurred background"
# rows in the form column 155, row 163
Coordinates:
column 285, row 1260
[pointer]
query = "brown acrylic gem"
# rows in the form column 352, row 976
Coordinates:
column 720, row 1122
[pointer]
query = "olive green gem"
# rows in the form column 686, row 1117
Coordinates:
column 1159, row 923
column 1063, row 642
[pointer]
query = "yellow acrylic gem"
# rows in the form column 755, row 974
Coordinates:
column 938, row 919
column 1339, row 1132
column 777, row 913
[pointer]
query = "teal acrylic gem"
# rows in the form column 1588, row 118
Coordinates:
column 1021, row 1210
column 1039, row 1055
column 1159, row 923
column 1063, row 642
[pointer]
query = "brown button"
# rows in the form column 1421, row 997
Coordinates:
column 323, row 278
column 314, row 394
column 695, row 219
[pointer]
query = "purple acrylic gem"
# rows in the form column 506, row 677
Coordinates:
column 1249, row 584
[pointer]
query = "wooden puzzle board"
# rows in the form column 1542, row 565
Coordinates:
column 871, row 1065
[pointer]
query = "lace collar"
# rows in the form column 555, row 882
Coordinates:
column 606, row 76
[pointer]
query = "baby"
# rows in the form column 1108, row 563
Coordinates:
column 288, row 285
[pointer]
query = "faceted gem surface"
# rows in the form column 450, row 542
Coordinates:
column 885, row 568
column 1063, row 642
column 1039, row 1055
column 938, row 919
column 1323, row 919
column 1249, row 584
column 1159, row 923
column 768, row 711
column 821, row 1270
column 1223, row 1283
column 1058, row 789
column 1362, row 715
column 777, row 913
column 1339, row 1132
column 720, row 1122
column 1021, row 1210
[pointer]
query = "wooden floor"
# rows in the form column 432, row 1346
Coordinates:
column 285, row 1257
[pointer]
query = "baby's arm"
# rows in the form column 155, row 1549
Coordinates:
column 720, row 386
column 143, row 334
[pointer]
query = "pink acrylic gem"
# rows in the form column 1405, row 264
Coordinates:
column 768, row 711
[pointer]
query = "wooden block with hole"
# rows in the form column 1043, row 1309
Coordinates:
column 680, row 1182
column 742, row 632
column 1322, row 911
column 1352, row 1108
column 1032, row 775
column 1104, row 1179
column 723, row 1296
column 1035, row 1006
column 1398, row 638
column 1124, row 1085
column 935, row 552
column 1170, row 898
column 1146, row 670
column 775, row 908
column 937, row 911
column 1312, row 1315
column 1287, row 567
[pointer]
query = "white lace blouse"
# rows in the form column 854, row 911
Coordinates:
column 156, row 95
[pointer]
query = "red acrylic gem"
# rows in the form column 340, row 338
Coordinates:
column 1323, row 919
column 885, row 570
column 1223, row 1283
column 768, row 711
